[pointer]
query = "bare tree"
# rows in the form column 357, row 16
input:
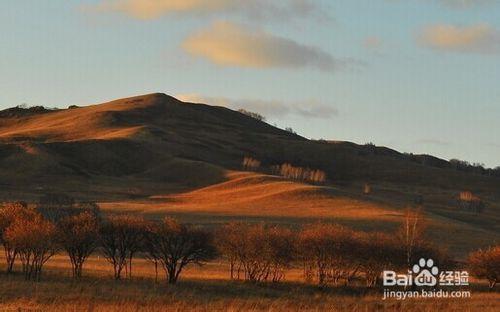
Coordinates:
column 149, row 247
column 121, row 238
column 411, row 233
column 34, row 238
column 228, row 242
column 250, row 163
column 301, row 174
column 378, row 251
column 263, row 253
column 324, row 250
column 78, row 236
column 9, row 212
column 179, row 245
column 280, row 251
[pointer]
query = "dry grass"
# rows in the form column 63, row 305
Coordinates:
column 205, row 289
column 251, row 194
column 254, row 197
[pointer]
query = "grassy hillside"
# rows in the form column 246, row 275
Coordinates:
column 156, row 155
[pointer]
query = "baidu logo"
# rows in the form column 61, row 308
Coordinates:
column 426, row 274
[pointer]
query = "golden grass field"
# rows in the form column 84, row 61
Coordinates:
column 255, row 197
column 205, row 288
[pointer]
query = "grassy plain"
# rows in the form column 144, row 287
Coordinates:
column 205, row 288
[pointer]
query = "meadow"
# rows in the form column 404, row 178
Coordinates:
column 206, row 288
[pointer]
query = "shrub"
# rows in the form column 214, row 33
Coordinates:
column 262, row 253
column 486, row 264
column 328, row 252
column 379, row 251
column 252, row 114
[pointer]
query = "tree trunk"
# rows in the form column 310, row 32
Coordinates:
column 156, row 271
column 492, row 283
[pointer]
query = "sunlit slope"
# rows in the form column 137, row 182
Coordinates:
column 247, row 196
column 261, row 195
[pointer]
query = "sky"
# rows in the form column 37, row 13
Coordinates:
column 420, row 76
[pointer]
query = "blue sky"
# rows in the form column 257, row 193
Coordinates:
column 419, row 76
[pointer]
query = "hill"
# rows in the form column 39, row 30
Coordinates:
column 156, row 154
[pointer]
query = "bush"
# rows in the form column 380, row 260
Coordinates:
column 252, row 114
column 379, row 251
column 486, row 264
column 262, row 253
column 328, row 253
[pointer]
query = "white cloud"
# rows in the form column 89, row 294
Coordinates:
column 270, row 109
column 229, row 44
column 251, row 9
column 479, row 38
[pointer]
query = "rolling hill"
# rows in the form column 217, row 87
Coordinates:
column 155, row 154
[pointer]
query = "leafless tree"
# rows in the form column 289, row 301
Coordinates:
column 411, row 233
column 228, row 240
column 35, row 240
column 9, row 212
column 179, row 245
column 121, row 237
column 378, row 251
column 78, row 236
column 250, row 163
column 262, row 253
column 150, row 244
column 325, row 250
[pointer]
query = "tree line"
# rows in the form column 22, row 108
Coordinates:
column 287, row 170
column 329, row 254
column 32, row 235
